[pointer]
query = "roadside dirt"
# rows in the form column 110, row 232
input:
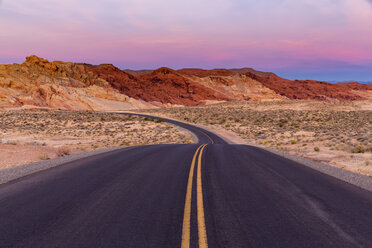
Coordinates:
column 335, row 133
column 31, row 135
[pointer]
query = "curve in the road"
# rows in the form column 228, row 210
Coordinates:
column 207, row 194
column 204, row 136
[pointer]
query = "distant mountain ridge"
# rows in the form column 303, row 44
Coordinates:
column 197, row 71
column 348, row 81
column 40, row 83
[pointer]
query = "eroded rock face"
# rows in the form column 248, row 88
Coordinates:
column 163, row 85
column 39, row 82
column 205, row 73
column 72, row 74
column 167, row 86
column 239, row 87
column 310, row 89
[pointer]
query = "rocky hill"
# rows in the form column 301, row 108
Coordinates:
column 310, row 89
column 40, row 83
column 159, row 87
column 43, row 84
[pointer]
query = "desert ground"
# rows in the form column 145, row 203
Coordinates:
column 31, row 135
column 338, row 133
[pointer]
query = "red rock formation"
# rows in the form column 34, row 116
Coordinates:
column 205, row 73
column 118, row 79
column 356, row 86
column 167, row 86
column 309, row 89
column 137, row 72
column 38, row 82
column 163, row 85
column 246, row 70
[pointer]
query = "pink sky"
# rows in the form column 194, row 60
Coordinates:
column 327, row 39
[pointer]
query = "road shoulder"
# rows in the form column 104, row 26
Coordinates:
column 10, row 174
column 356, row 179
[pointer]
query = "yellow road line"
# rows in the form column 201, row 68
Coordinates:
column 209, row 137
column 187, row 212
column 202, row 231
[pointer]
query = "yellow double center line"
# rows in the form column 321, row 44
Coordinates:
column 209, row 137
column 202, row 232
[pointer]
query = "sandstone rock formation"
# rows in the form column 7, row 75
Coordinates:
column 43, row 84
column 205, row 73
column 237, row 87
column 310, row 89
column 40, row 83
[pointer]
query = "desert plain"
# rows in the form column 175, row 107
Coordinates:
column 32, row 135
column 338, row 133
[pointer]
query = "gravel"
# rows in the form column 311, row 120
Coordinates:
column 194, row 137
column 9, row 174
column 356, row 179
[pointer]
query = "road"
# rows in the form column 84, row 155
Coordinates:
column 210, row 194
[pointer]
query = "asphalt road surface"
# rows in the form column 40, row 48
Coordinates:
column 209, row 194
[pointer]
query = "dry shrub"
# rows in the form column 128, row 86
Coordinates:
column 44, row 156
column 358, row 149
column 63, row 151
